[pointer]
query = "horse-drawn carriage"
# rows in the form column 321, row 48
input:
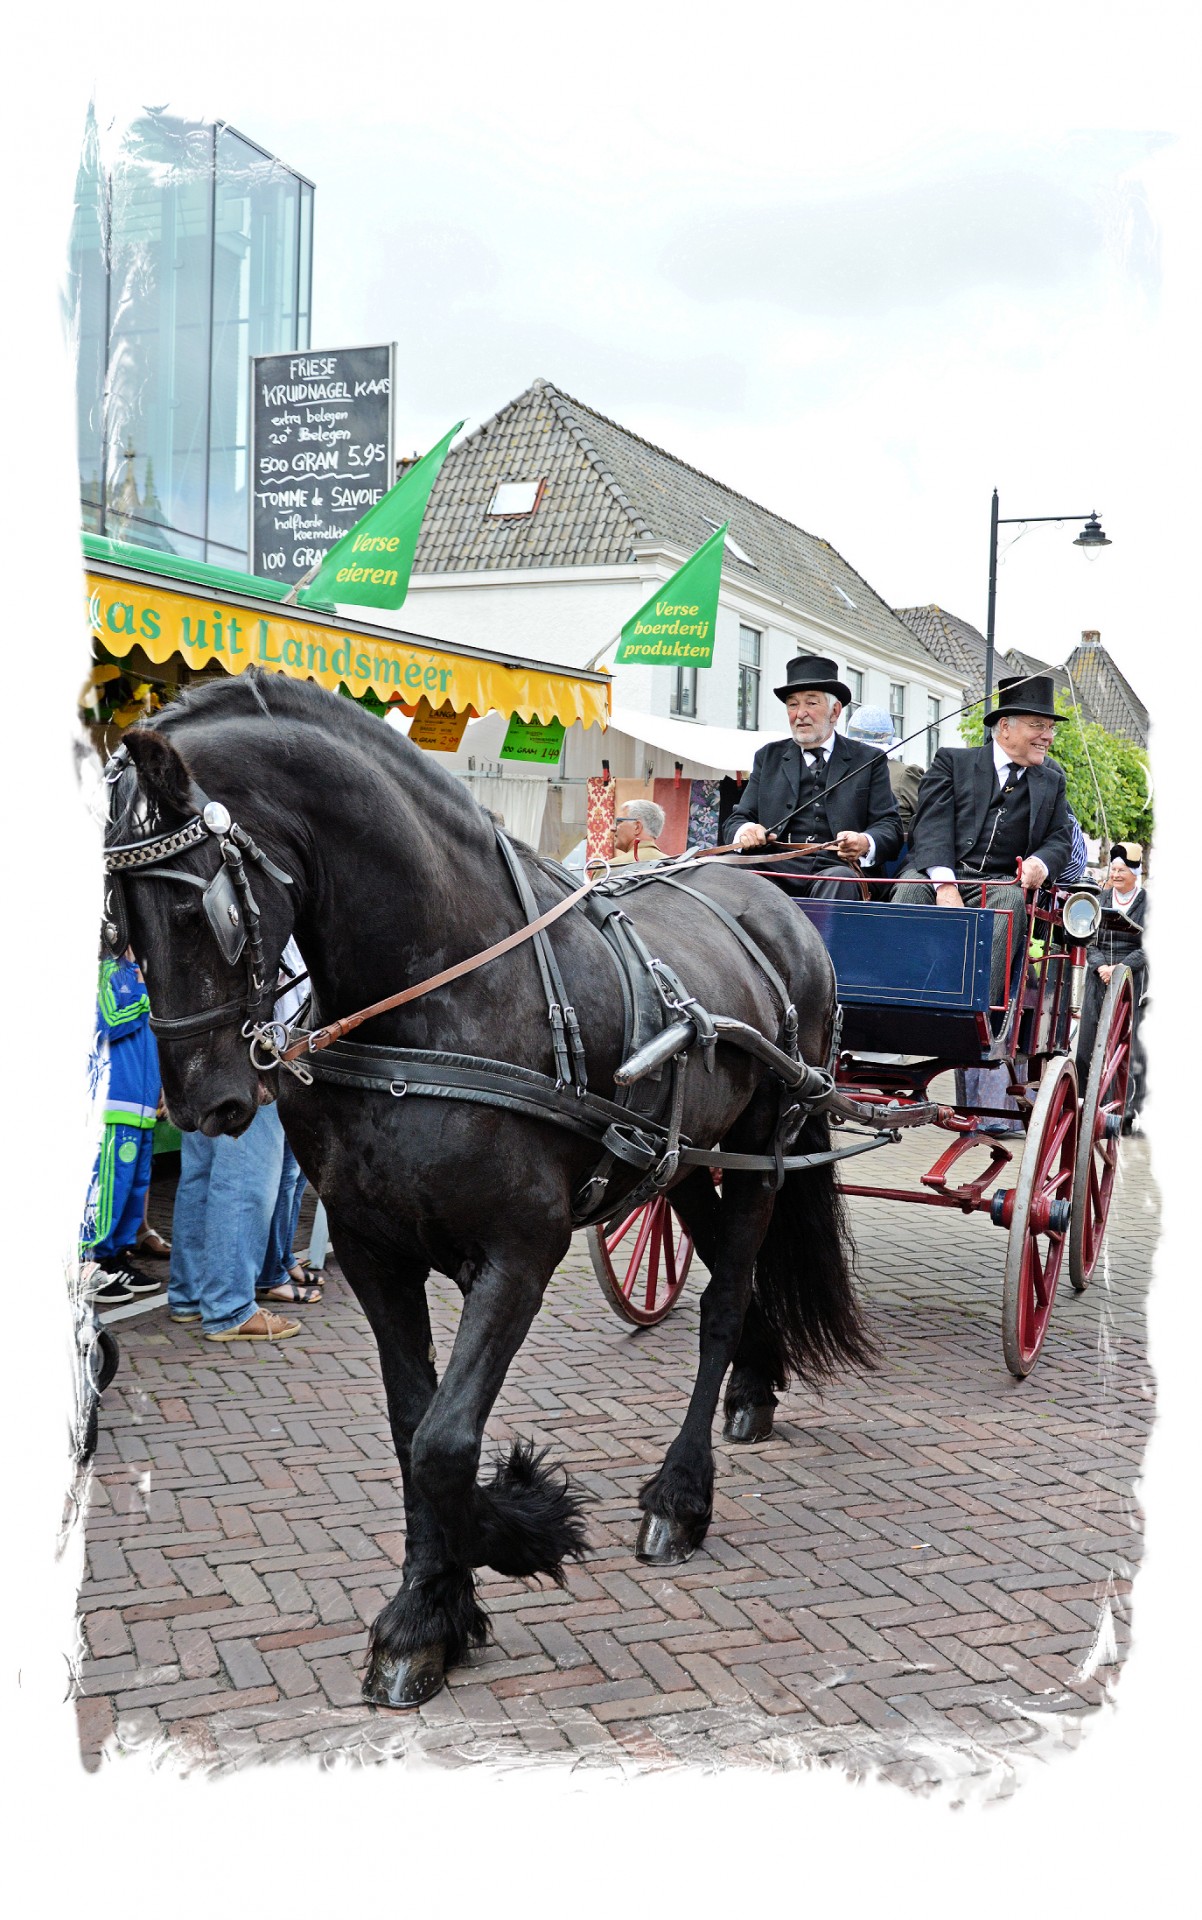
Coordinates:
column 914, row 987
column 471, row 1134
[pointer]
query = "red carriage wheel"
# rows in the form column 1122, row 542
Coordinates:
column 1038, row 1211
column 1102, row 1109
column 642, row 1260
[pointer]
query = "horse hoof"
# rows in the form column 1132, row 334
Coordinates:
column 404, row 1680
column 666, row 1543
column 746, row 1424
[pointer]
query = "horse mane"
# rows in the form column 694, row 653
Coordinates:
column 255, row 695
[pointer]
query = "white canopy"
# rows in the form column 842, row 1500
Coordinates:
column 712, row 749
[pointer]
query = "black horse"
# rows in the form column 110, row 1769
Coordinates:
column 396, row 873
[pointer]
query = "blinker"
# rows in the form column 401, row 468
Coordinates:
column 221, row 912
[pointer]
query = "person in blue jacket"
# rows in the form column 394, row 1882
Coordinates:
column 121, row 1176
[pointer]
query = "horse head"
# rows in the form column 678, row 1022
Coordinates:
column 207, row 914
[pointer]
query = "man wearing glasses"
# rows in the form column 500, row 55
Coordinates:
column 995, row 815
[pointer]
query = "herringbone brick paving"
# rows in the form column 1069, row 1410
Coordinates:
column 924, row 1573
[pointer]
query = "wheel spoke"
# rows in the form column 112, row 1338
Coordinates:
column 1039, row 1288
column 669, row 1249
column 1114, row 1061
column 657, row 1241
column 640, row 1246
column 617, row 1238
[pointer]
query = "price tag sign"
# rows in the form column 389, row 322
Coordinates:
column 321, row 452
column 538, row 742
column 437, row 729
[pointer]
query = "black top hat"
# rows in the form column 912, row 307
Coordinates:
column 1033, row 693
column 810, row 670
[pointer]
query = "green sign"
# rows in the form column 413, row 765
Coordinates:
column 676, row 626
column 370, row 565
column 538, row 742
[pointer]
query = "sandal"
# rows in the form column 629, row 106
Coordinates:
column 153, row 1243
column 305, row 1273
column 261, row 1326
column 292, row 1293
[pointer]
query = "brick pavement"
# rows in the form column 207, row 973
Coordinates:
column 925, row 1574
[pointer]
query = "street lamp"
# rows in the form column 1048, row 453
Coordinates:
column 1091, row 535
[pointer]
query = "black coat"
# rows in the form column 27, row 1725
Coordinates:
column 954, row 799
column 861, row 803
column 1121, row 942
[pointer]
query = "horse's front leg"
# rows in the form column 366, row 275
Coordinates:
column 523, row 1521
column 678, row 1501
column 392, row 1294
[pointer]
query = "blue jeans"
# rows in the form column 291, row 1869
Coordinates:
column 223, row 1210
column 278, row 1258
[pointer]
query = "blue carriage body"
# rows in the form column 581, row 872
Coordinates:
column 911, row 979
column 915, row 981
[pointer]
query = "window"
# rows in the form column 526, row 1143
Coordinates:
column 855, row 680
column 932, row 727
column 684, row 692
column 730, row 544
column 749, row 679
column 897, row 707
column 514, row 499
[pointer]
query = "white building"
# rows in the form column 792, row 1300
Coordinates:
column 549, row 526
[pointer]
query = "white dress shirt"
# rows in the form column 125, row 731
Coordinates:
column 943, row 876
column 826, row 748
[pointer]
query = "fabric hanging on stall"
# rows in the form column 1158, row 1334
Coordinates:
column 600, row 831
column 519, row 803
column 730, row 792
column 703, row 813
column 674, row 799
column 628, row 789
column 551, row 835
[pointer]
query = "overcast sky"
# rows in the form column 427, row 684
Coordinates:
column 865, row 335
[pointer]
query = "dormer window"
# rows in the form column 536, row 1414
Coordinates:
column 515, row 499
column 731, row 545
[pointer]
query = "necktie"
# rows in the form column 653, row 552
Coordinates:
column 1013, row 771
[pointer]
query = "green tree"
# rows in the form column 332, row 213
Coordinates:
column 1119, row 805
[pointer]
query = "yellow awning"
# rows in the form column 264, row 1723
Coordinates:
column 160, row 617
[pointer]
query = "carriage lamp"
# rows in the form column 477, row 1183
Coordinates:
column 1081, row 916
column 1090, row 537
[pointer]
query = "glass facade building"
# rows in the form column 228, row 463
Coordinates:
column 191, row 250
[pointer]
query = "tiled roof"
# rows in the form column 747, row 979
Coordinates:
column 607, row 493
column 1027, row 663
column 1112, row 699
column 1103, row 695
column 952, row 641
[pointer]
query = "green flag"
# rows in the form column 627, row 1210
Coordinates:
column 676, row 626
column 370, row 565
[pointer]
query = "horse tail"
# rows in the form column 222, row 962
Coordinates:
column 527, row 1518
column 804, row 1278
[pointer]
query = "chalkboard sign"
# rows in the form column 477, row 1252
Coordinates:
column 320, row 452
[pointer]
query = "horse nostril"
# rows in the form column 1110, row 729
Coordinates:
column 231, row 1116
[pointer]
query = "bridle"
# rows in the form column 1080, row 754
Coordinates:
column 230, row 908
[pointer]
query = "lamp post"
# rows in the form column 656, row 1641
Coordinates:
column 1091, row 535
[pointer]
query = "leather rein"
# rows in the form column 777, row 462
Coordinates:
column 272, row 1038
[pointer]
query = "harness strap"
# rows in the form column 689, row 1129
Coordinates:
column 565, row 1028
column 410, row 1071
column 336, row 1029
column 749, row 946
